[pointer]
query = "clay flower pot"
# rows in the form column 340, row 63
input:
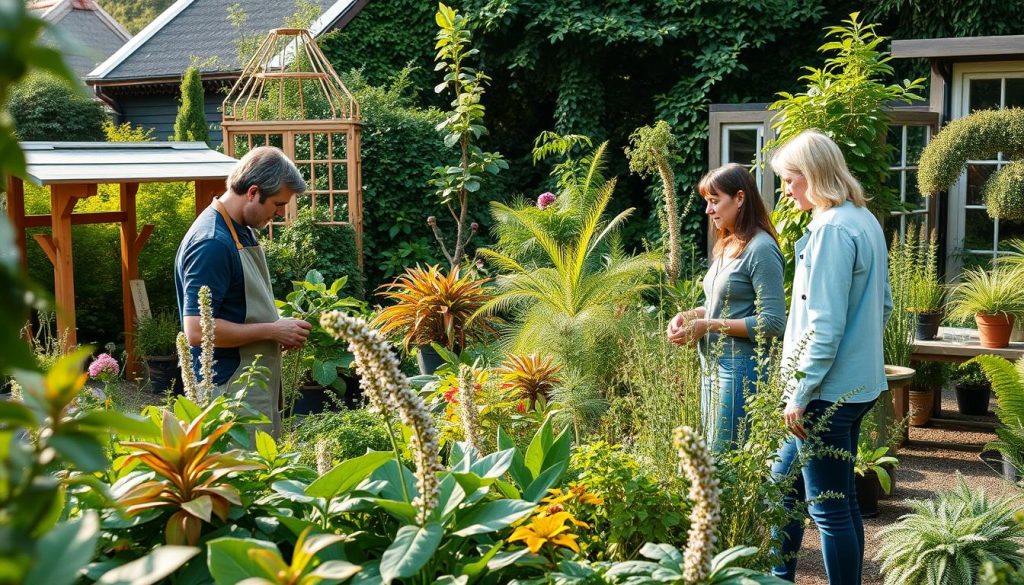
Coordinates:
column 994, row 329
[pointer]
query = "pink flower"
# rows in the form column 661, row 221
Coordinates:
column 104, row 366
column 545, row 199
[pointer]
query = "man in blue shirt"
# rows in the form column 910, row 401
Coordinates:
column 221, row 251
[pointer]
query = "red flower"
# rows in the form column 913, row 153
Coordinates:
column 450, row 395
column 521, row 406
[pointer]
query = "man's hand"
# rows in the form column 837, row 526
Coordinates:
column 290, row 333
column 794, row 417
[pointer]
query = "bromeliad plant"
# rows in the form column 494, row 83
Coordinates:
column 530, row 378
column 433, row 307
column 190, row 479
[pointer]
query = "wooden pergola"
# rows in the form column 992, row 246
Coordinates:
column 72, row 171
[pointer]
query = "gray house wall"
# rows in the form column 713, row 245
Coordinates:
column 158, row 112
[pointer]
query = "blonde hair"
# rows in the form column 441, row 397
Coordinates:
column 818, row 159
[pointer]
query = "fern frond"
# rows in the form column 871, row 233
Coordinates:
column 1008, row 384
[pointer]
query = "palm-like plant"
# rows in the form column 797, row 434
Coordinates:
column 530, row 377
column 571, row 308
column 946, row 540
column 433, row 307
column 190, row 479
column 1008, row 383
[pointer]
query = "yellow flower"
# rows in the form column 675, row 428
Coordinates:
column 547, row 529
column 584, row 497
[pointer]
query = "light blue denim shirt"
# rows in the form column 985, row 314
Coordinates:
column 841, row 301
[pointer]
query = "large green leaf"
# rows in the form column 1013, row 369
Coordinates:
column 347, row 474
column 393, row 489
column 118, row 422
column 520, row 474
column 540, row 486
column 81, row 449
column 412, row 548
column 64, row 551
column 494, row 465
column 558, row 451
column 266, row 446
column 492, row 516
column 538, row 448
column 17, row 414
column 151, row 568
column 400, row 510
column 229, row 562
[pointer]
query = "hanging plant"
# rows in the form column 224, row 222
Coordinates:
column 979, row 136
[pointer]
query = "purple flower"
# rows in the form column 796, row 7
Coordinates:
column 545, row 199
column 104, row 366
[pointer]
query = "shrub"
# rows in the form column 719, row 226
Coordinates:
column 636, row 507
column 308, row 245
column 156, row 335
column 349, row 434
column 46, row 108
column 190, row 124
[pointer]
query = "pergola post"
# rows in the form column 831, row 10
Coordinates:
column 63, row 198
column 354, row 165
column 132, row 243
column 206, row 191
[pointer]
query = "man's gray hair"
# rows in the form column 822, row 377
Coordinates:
column 269, row 170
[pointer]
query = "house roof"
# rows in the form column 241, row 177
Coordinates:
column 960, row 48
column 51, row 163
column 200, row 28
column 99, row 34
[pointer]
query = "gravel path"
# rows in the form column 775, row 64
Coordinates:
column 928, row 463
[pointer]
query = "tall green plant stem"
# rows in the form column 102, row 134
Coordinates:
column 398, row 461
column 652, row 146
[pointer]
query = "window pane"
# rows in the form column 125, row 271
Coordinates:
column 913, row 196
column 894, row 138
column 917, row 138
column 1015, row 92
column 979, row 230
column 984, row 94
column 742, row 146
column 977, row 174
column 1009, row 230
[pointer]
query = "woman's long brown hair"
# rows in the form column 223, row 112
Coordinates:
column 729, row 180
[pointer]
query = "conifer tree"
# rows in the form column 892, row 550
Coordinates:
column 190, row 125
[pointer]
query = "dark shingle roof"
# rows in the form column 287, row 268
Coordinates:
column 197, row 28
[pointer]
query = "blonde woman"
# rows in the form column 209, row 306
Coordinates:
column 841, row 301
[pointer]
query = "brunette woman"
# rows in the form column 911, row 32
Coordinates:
column 744, row 299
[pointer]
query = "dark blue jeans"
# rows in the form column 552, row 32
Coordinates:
column 838, row 518
column 724, row 406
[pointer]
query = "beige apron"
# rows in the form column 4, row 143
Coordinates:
column 259, row 308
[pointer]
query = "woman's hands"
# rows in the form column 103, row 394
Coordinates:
column 794, row 417
column 686, row 328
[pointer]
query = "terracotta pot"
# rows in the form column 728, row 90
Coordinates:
column 921, row 402
column 994, row 330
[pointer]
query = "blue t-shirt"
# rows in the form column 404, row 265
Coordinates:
column 208, row 256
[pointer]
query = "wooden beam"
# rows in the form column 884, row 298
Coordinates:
column 45, row 242
column 129, row 272
column 16, row 213
column 354, row 168
column 34, row 221
column 140, row 242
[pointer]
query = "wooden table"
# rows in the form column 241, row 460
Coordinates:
column 957, row 345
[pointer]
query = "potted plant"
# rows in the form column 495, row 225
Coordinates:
column 155, row 341
column 321, row 363
column 925, row 387
column 872, row 477
column 433, row 307
column 973, row 389
column 994, row 298
column 926, row 290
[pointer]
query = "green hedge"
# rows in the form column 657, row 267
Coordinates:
column 307, row 245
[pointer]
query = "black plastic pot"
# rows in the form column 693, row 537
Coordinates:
column 312, row 399
column 868, row 492
column 973, row 399
column 428, row 360
column 163, row 373
column 353, row 392
column 927, row 325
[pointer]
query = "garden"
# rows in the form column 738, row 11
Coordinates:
column 490, row 396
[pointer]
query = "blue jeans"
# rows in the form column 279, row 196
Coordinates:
column 725, row 408
column 838, row 519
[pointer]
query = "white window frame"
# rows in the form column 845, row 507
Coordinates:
column 901, row 170
column 956, row 221
column 726, row 130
